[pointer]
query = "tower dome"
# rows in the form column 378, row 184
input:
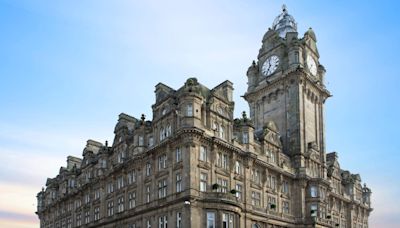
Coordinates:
column 284, row 23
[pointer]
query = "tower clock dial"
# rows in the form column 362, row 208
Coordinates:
column 270, row 65
column 312, row 66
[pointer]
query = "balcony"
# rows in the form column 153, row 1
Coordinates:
column 220, row 197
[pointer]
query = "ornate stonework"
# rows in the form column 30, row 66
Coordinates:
column 194, row 165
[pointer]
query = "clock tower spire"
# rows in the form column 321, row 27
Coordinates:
column 286, row 86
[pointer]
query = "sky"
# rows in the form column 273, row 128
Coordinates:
column 69, row 68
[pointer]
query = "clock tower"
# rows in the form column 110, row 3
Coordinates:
column 286, row 87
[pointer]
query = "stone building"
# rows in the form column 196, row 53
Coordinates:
column 195, row 165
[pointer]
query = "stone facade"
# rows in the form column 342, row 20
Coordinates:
column 194, row 165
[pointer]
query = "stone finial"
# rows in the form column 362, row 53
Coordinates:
column 244, row 116
column 106, row 143
column 284, row 8
column 143, row 117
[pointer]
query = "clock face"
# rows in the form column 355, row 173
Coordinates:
column 312, row 66
column 270, row 65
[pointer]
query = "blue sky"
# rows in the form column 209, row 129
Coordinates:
column 68, row 68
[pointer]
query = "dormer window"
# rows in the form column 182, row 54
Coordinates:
column 103, row 163
column 141, row 141
column 71, row 183
column 151, row 141
column 189, row 110
column 245, row 137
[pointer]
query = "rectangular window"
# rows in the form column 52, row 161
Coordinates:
column 256, row 176
column 222, row 132
column 96, row 213
column 239, row 190
column 103, row 163
column 132, row 200
column 131, row 177
column 285, row 187
column 87, row 198
column 110, row 208
column 245, row 137
column 79, row 219
column 121, row 156
column 238, row 168
column 227, row 220
column 162, row 221
column 271, row 203
column 69, row 223
column 87, row 217
column 178, row 154
column 225, row 161
column 148, row 169
column 256, row 199
column 141, row 140
column 162, row 188
column 313, row 210
column 120, row 182
column 313, row 191
column 223, row 185
column 272, row 157
column 97, row 194
column 110, row 187
column 322, row 212
column 189, row 110
column 203, row 182
column 285, row 207
column 162, row 162
column 322, row 193
column 203, row 153
column 147, row 193
column 178, row 182
column 120, row 205
column 210, row 220
column 271, row 182
column 179, row 220
column 151, row 141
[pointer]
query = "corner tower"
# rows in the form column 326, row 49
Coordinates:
column 286, row 86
